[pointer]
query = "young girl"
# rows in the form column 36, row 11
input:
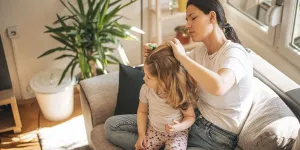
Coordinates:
column 165, row 110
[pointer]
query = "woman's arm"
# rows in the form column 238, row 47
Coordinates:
column 215, row 83
column 142, row 118
column 188, row 120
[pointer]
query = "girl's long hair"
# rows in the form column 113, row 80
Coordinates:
column 173, row 79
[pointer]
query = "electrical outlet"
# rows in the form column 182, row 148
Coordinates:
column 13, row 32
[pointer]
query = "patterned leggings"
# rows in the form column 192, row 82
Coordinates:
column 174, row 141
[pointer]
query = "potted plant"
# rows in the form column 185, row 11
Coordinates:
column 182, row 34
column 85, row 34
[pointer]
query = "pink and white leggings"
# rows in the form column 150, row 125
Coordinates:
column 174, row 141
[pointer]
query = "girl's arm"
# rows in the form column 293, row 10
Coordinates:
column 188, row 117
column 142, row 118
column 188, row 120
column 215, row 83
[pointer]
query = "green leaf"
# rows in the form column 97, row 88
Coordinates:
column 64, row 56
column 109, row 49
column 103, row 12
column 63, row 41
column 77, row 12
column 97, row 10
column 64, row 18
column 60, row 20
column 67, row 7
column 52, row 51
column 81, row 8
column 111, row 14
column 113, row 3
column 62, row 36
column 132, row 1
column 125, row 26
column 65, row 71
column 130, row 36
column 73, row 68
column 101, row 54
column 109, row 39
column 116, row 33
column 59, row 29
column 114, row 59
column 91, row 4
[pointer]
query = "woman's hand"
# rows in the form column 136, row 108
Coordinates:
column 141, row 143
column 148, row 47
column 178, row 49
column 172, row 128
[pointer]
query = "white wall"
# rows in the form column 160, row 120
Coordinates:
column 30, row 16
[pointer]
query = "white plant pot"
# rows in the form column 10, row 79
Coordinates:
column 56, row 106
column 56, row 101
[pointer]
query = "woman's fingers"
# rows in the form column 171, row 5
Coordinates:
column 170, row 43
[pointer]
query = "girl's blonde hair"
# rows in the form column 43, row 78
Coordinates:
column 173, row 79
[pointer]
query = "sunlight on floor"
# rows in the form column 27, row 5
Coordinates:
column 67, row 135
column 23, row 138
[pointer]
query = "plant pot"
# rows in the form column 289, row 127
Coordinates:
column 55, row 101
column 183, row 38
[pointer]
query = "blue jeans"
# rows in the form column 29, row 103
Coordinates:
column 122, row 131
column 208, row 136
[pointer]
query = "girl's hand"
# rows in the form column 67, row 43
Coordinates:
column 148, row 47
column 141, row 143
column 178, row 49
column 172, row 128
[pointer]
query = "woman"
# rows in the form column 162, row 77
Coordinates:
column 223, row 70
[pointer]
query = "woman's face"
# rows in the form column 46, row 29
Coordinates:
column 199, row 24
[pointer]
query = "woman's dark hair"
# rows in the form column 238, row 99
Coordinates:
column 214, row 5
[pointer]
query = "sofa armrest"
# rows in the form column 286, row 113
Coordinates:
column 99, row 97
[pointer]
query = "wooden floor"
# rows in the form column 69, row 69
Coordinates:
column 28, row 138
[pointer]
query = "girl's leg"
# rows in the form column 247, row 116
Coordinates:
column 122, row 130
column 155, row 139
column 178, row 141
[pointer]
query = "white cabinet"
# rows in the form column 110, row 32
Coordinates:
column 159, row 13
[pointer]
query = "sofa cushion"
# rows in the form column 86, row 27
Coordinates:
column 270, row 124
column 130, row 83
column 99, row 141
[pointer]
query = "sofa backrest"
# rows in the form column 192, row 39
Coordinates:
column 283, row 86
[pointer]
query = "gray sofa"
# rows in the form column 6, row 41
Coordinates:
column 271, row 124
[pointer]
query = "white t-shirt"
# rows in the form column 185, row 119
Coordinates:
column 230, row 110
column 159, row 112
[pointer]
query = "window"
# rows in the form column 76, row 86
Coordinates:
column 254, row 9
column 254, row 15
column 273, row 23
column 296, row 30
column 288, row 43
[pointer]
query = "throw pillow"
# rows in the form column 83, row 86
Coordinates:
column 271, row 125
column 130, row 83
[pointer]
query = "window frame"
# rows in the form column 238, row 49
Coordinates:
column 278, row 38
column 285, row 47
column 257, row 30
